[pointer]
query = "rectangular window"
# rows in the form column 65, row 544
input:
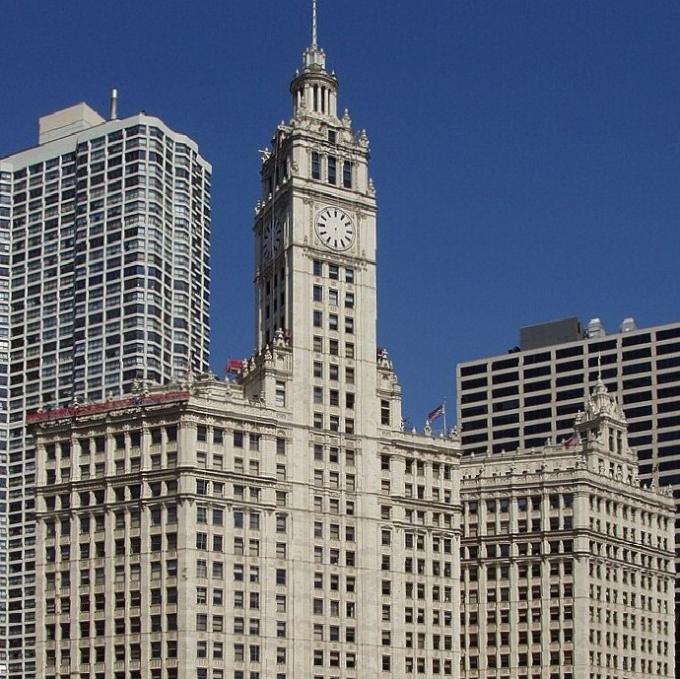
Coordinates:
column 280, row 398
column 316, row 165
column 318, row 268
column 318, row 293
column 332, row 169
column 384, row 412
column 347, row 174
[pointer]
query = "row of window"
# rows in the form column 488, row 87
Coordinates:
column 333, row 297
column 333, row 271
column 594, row 348
column 332, row 166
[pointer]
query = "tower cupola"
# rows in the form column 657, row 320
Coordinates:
column 314, row 89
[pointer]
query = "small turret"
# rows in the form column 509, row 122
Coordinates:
column 602, row 426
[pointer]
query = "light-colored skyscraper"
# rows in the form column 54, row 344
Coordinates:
column 279, row 526
column 567, row 563
column 520, row 399
column 104, row 281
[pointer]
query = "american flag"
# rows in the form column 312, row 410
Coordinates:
column 437, row 412
column 573, row 440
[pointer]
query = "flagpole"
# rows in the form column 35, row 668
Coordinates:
column 444, row 414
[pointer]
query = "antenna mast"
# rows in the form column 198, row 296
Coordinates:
column 314, row 43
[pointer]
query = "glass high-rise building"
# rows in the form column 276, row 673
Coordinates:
column 104, row 284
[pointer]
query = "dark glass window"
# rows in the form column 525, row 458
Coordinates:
column 536, row 372
column 569, row 365
column 640, row 411
column 505, row 377
column 530, row 359
column 631, row 340
column 596, row 347
column 569, row 394
column 501, row 420
column 316, row 165
column 668, row 407
column 505, row 391
column 473, row 411
column 642, row 396
column 505, row 363
column 475, row 424
column 670, row 333
column 472, row 398
column 668, row 348
column 633, row 354
column 569, row 379
column 474, row 384
column 537, row 428
column 500, row 406
column 569, row 351
column 347, row 174
column 537, row 414
column 472, row 369
column 537, row 386
column 637, row 382
column 332, row 169
column 672, row 362
column 536, row 400
column 636, row 368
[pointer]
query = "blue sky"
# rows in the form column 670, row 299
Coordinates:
column 526, row 154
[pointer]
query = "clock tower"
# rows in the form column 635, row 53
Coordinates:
column 318, row 373
column 315, row 236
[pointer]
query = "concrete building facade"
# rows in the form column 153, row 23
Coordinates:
column 280, row 525
column 215, row 544
column 567, row 562
column 104, row 280
column 532, row 393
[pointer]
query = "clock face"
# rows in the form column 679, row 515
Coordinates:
column 271, row 238
column 335, row 229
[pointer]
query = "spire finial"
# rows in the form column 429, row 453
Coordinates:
column 599, row 366
column 314, row 42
